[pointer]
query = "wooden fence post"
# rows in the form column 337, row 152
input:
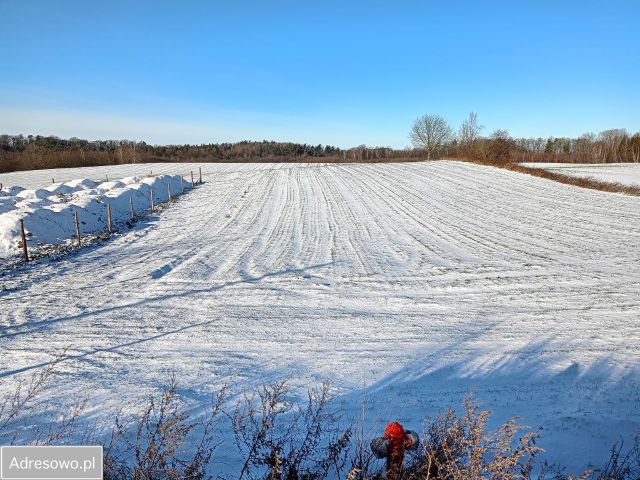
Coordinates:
column 107, row 177
column 109, row 230
column 151, row 198
column 200, row 168
column 53, row 181
column 75, row 216
column 169, row 192
column 192, row 184
column 133, row 212
column 25, row 252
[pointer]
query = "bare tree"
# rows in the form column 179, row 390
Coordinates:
column 469, row 132
column 634, row 147
column 612, row 140
column 430, row 132
column 133, row 150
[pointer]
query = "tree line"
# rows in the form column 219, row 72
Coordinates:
column 433, row 134
column 19, row 152
column 430, row 135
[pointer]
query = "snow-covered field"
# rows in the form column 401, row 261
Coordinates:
column 623, row 173
column 417, row 281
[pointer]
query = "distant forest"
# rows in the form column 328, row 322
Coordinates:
column 19, row 152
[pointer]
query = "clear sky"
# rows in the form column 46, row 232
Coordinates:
column 343, row 73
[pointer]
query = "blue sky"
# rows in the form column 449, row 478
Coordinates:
column 342, row 73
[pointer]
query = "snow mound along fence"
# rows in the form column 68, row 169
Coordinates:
column 49, row 214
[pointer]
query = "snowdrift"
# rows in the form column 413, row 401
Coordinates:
column 48, row 213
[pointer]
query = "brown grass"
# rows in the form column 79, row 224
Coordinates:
column 557, row 177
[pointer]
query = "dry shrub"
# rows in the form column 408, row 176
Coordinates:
column 621, row 465
column 163, row 442
column 460, row 448
column 23, row 408
column 278, row 439
column 23, row 400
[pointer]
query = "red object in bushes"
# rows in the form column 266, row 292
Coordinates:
column 392, row 445
column 395, row 434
